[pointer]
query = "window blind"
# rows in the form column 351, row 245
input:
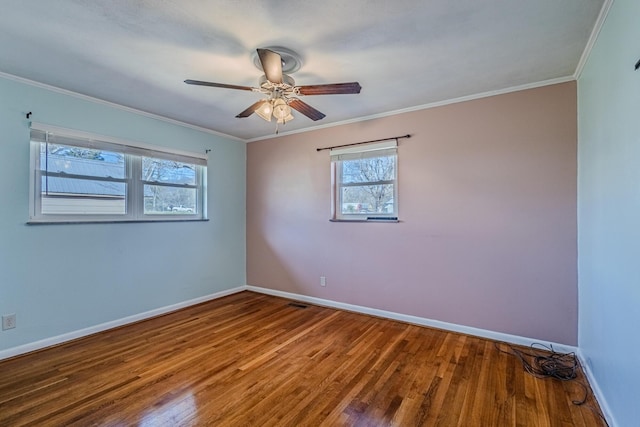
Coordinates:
column 55, row 135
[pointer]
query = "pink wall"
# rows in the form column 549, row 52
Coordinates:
column 487, row 203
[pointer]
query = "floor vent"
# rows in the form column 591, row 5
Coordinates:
column 297, row 305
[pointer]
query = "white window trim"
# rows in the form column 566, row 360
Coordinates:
column 337, row 155
column 77, row 134
column 133, row 151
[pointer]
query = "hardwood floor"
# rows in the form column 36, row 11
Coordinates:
column 253, row 360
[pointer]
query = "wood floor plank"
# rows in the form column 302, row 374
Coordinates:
column 251, row 359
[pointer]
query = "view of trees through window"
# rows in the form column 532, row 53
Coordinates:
column 367, row 185
column 170, row 186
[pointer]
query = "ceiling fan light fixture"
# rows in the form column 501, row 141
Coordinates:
column 265, row 110
column 285, row 119
column 280, row 109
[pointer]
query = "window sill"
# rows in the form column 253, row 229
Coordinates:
column 136, row 221
column 393, row 220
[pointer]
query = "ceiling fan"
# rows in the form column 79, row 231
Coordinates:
column 280, row 90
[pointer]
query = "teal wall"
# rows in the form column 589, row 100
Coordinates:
column 62, row 278
column 609, row 211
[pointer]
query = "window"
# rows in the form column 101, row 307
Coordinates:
column 78, row 177
column 365, row 178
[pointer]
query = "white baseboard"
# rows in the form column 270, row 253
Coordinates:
column 484, row 333
column 59, row 339
column 498, row 336
column 595, row 387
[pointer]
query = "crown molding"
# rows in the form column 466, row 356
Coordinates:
column 116, row 106
column 593, row 37
column 309, row 129
column 422, row 107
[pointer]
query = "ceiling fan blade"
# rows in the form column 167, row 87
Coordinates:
column 222, row 85
column 306, row 109
column 271, row 64
column 331, row 89
column 249, row 111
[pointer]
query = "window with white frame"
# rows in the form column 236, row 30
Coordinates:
column 80, row 177
column 365, row 182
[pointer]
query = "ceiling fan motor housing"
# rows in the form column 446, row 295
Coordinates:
column 287, row 83
column 291, row 61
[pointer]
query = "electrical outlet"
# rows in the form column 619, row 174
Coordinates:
column 8, row 321
column 323, row 281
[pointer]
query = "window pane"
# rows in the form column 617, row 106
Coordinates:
column 168, row 171
column 373, row 169
column 77, row 177
column 82, row 197
column 81, row 161
column 159, row 199
column 365, row 199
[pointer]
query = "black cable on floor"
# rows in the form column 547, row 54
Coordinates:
column 562, row 366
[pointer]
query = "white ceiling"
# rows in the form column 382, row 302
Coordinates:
column 404, row 53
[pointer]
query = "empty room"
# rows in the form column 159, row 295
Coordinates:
column 365, row 213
